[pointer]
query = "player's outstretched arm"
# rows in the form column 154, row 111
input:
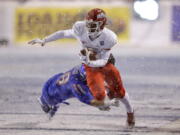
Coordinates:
column 53, row 37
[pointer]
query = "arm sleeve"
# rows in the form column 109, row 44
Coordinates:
column 100, row 62
column 59, row 35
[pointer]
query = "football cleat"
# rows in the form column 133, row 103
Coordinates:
column 130, row 120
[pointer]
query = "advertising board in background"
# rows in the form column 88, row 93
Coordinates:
column 39, row 22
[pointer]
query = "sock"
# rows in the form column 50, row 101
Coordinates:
column 125, row 100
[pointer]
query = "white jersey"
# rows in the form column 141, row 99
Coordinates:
column 101, row 45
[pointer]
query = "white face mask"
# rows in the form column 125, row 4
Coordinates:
column 93, row 28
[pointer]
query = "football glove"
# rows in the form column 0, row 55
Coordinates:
column 37, row 41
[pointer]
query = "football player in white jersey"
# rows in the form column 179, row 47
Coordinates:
column 96, row 41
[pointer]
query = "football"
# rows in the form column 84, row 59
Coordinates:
column 92, row 55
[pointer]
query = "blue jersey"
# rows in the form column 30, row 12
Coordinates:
column 62, row 86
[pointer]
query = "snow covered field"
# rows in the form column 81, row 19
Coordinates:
column 150, row 75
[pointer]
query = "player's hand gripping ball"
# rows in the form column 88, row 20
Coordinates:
column 89, row 53
column 92, row 56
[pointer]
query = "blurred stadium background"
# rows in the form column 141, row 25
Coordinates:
column 137, row 22
column 148, row 56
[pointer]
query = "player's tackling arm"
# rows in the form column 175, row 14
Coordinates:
column 105, row 104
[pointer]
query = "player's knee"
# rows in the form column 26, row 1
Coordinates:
column 100, row 96
column 122, row 94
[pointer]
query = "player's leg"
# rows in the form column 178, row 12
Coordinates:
column 114, row 81
column 82, row 93
column 129, row 109
column 95, row 82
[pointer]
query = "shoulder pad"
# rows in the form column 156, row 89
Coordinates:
column 78, row 27
column 111, row 38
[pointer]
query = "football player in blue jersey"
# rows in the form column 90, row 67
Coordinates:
column 71, row 84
